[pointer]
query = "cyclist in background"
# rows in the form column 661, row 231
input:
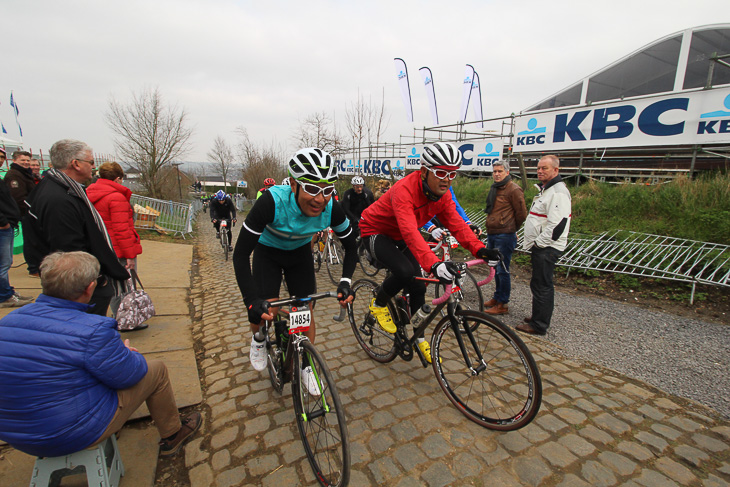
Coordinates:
column 389, row 229
column 268, row 183
column 222, row 208
column 277, row 231
column 355, row 200
column 286, row 181
column 434, row 226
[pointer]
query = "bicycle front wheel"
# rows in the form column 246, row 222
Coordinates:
column 224, row 243
column 377, row 343
column 503, row 391
column 321, row 420
column 473, row 298
column 335, row 254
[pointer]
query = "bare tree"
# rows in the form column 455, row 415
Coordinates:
column 358, row 122
column 149, row 135
column 319, row 130
column 221, row 155
column 258, row 162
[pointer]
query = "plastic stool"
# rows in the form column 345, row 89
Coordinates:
column 103, row 466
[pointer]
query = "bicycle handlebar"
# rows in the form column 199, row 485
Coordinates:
column 294, row 299
column 449, row 287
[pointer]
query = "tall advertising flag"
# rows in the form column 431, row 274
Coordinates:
column 427, row 78
column 405, row 90
column 476, row 97
column 15, row 109
column 466, row 91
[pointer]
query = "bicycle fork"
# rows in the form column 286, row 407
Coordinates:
column 459, row 333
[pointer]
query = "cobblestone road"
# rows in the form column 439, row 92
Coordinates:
column 595, row 428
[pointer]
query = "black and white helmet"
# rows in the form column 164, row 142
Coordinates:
column 357, row 180
column 286, row 181
column 313, row 165
column 441, row 154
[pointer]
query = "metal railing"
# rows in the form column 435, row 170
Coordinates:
column 642, row 254
column 163, row 215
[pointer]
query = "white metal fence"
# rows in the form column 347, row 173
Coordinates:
column 163, row 215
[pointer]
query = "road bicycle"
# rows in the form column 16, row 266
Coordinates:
column 473, row 297
column 320, row 417
column 223, row 231
column 329, row 250
column 482, row 366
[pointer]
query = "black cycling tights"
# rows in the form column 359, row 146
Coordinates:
column 403, row 266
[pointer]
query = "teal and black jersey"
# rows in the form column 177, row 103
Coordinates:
column 277, row 222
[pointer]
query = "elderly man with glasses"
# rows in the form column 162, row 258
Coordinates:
column 61, row 218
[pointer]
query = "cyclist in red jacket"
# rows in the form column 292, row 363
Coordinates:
column 390, row 231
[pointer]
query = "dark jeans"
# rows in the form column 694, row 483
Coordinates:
column 6, row 261
column 506, row 244
column 542, row 286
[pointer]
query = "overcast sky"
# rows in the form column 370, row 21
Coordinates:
column 266, row 66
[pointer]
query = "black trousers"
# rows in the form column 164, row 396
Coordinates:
column 404, row 268
column 102, row 297
column 542, row 286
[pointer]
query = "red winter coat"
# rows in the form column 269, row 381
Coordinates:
column 111, row 200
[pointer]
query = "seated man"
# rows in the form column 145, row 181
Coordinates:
column 389, row 229
column 222, row 208
column 68, row 380
column 278, row 230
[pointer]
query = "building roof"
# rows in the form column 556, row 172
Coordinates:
column 677, row 62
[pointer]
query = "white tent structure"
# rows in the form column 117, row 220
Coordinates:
column 9, row 142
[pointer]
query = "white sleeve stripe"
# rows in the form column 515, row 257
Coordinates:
column 247, row 228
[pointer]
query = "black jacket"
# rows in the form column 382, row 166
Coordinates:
column 58, row 220
column 222, row 210
column 9, row 212
column 354, row 204
column 20, row 182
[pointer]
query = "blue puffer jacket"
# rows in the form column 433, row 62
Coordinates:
column 60, row 369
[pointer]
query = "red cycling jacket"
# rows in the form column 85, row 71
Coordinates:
column 404, row 209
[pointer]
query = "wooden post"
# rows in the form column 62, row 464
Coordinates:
column 523, row 171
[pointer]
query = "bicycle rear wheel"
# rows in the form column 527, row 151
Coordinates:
column 224, row 243
column 377, row 343
column 506, row 392
column 321, row 420
column 334, row 255
column 365, row 264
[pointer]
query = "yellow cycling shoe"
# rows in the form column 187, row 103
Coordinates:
column 426, row 351
column 383, row 316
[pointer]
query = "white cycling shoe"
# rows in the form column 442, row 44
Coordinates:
column 257, row 354
column 310, row 381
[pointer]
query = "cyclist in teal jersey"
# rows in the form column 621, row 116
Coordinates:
column 278, row 230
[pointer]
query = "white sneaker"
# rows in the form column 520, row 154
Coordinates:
column 310, row 381
column 257, row 354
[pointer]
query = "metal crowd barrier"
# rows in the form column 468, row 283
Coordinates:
column 163, row 215
column 642, row 254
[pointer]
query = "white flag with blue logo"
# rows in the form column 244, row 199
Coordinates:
column 405, row 90
column 466, row 91
column 427, row 78
column 476, row 100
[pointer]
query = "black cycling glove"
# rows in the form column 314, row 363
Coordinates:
column 257, row 308
column 344, row 290
column 492, row 256
column 475, row 228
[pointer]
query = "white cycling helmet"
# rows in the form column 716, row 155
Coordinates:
column 441, row 154
column 286, row 181
column 313, row 165
column 357, row 180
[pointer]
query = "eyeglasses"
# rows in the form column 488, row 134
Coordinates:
column 87, row 162
column 314, row 190
column 443, row 174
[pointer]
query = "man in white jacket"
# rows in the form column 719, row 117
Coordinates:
column 546, row 236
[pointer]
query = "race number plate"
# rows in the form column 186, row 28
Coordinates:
column 299, row 320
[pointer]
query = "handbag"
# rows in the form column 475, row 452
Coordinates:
column 136, row 306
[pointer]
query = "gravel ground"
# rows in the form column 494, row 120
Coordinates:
column 682, row 356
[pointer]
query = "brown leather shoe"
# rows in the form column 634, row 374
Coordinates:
column 497, row 309
column 528, row 319
column 525, row 328
column 190, row 425
column 490, row 303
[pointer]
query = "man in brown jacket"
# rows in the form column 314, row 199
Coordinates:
column 19, row 179
column 506, row 212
